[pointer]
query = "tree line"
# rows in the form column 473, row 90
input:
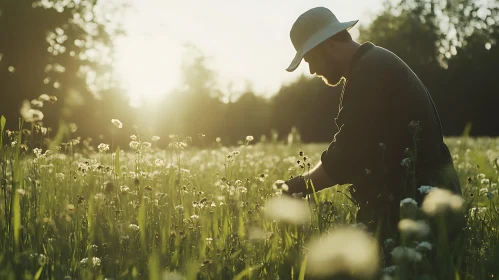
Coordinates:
column 61, row 49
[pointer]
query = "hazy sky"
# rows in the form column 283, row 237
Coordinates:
column 246, row 41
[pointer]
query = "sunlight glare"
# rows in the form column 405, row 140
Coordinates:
column 148, row 67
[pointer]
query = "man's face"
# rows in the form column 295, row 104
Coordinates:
column 323, row 65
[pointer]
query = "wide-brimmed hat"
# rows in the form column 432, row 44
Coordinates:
column 312, row 28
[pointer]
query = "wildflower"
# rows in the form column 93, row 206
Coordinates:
column 133, row 227
column 406, row 254
column 408, row 208
column 146, row 145
column 99, row 196
column 44, row 97
column 103, row 147
column 249, row 138
column 172, row 136
column 425, row 189
column 13, row 144
column 95, row 261
column 117, row 123
column 414, row 228
column 213, row 204
column 37, row 103
column 194, row 217
column 159, row 162
column 133, row 137
column 59, row 176
column 29, row 114
column 485, row 181
column 209, row 239
column 288, row 210
column 134, row 145
column 155, row 138
column 424, row 246
column 70, row 207
column 406, row 162
column 218, row 139
column 440, row 200
column 21, row 192
column 391, row 270
column 346, row 251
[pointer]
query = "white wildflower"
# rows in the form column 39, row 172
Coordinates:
column 146, row 145
column 103, row 147
column 249, row 138
column 155, row 138
column 288, row 210
column 134, row 145
column 117, row 123
column 408, row 208
column 417, row 229
column 485, row 181
column 424, row 246
column 133, row 137
column 440, row 200
column 194, row 217
column 425, row 189
column 343, row 251
column 159, row 162
column 403, row 254
column 29, row 114
column 59, row 176
column 133, row 227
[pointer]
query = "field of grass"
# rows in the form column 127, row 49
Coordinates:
column 184, row 213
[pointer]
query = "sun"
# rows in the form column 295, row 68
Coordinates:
column 147, row 67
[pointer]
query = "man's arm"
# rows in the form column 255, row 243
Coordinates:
column 317, row 176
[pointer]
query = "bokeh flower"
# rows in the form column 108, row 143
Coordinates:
column 439, row 201
column 117, row 123
column 344, row 251
column 288, row 210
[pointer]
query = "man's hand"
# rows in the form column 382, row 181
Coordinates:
column 317, row 176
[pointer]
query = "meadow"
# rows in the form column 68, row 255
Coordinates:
column 86, row 210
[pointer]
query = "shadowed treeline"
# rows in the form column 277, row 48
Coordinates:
column 61, row 48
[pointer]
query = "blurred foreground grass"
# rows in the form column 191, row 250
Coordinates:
column 186, row 213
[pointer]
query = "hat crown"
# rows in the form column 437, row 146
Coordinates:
column 309, row 23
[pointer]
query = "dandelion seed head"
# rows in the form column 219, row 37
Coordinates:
column 103, row 147
column 288, row 210
column 343, row 251
column 133, row 227
column 424, row 246
column 425, row 189
column 441, row 200
column 117, row 123
column 410, row 227
column 134, row 145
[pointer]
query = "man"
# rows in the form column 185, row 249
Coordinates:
column 389, row 140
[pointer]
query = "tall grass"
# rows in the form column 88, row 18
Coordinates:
column 184, row 213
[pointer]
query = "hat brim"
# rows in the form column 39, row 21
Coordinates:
column 319, row 37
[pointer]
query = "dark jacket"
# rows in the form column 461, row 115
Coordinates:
column 386, row 116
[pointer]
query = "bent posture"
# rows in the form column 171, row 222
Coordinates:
column 389, row 140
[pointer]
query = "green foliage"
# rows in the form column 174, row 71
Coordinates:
column 205, row 225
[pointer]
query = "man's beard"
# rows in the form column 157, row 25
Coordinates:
column 333, row 78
